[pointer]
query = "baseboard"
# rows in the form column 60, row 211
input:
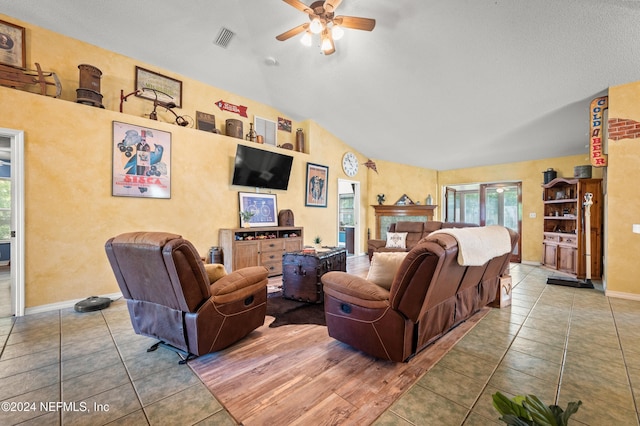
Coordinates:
column 530, row 263
column 63, row 305
column 621, row 295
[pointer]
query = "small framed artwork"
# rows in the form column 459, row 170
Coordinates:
column 263, row 206
column 154, row 86
column 12, row 45
column 284, row 124
column 206, row 122
column 266, row 129
column 141, row 162
column 317, row 185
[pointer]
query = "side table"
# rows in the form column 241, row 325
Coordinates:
column 301, row 272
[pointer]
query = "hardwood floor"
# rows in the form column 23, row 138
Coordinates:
column 297, row 374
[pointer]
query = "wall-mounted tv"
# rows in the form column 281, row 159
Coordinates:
column 261, row 169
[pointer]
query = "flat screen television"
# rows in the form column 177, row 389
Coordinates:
column 261, row 169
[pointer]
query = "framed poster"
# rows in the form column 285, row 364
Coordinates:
column 141, row 162
column 12, row 47
column 263, row 206
column 166, row 89
column 317, row 183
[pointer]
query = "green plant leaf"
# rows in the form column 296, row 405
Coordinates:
column 540, row 412
column 572, row 408
column 513, row 420
column 506, row 406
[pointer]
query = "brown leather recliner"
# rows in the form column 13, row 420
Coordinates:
column 430, row 294
column 170, row 298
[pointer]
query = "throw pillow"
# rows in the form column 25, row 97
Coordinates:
column 397, row 240
column 384, row 267
column 214, row 271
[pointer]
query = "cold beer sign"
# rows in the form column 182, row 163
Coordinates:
column 596, row 150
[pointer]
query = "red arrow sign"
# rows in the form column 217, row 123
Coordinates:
column 238, row 109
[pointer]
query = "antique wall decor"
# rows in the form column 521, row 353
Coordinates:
column 89, row 91
column 596, row 139
column 206, row 122
column 317, row 185
column 284, row 124
column 233, row 128
column 237, row 109
column 23, row 78
column 164, row 89
column 263, row 206
column 300, row 140
column 12, row 45
column 141, row 162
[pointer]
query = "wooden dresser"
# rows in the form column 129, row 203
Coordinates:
column 242, row 247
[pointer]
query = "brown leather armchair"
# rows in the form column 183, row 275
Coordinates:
column 170, row 297
column 431, row 293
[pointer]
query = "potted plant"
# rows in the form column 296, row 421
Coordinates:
column 245, row 218
column 317, row 242
column 523, row 410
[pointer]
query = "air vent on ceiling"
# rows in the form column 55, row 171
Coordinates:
column 224, row 37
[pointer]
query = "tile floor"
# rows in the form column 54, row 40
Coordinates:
column 559, row 343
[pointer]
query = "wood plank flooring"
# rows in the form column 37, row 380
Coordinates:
column 298, row 375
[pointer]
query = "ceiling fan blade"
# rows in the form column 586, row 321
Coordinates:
column 356, row 23
column 292, row 32
column 331, row 5
column 300, row 6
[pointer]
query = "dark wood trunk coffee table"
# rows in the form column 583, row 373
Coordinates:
column 301, row 272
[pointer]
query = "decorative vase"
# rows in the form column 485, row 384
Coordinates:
column 251, row 136
column 300, row 140
column 429, row 200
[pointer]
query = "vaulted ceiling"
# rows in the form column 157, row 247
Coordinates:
column 438, row 84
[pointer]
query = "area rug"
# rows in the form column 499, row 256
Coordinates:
column 286, row 311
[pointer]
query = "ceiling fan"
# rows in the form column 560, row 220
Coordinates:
column 323, row 22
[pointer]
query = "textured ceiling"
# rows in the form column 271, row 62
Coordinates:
column 438, row 84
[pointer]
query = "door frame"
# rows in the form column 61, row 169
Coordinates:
column 357, row 246
column 16, row 138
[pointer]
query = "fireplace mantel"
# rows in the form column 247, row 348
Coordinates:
column 406, row 210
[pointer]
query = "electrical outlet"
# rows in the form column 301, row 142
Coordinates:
column 532, row 215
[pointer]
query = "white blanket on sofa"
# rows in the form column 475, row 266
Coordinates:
column 476, row 246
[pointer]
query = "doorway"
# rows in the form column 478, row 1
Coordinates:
column 348, row 215
column 487, row 204
column 12, row 217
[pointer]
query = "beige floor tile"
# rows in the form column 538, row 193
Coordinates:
column 423, row 407
column 104, row 407
column 189, row 406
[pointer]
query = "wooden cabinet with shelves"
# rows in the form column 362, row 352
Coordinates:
column 564, row 226
column 243, row 247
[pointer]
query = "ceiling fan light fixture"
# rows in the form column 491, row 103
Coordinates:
column 326, row 45
column 316, row 26
column 306, row 39
column 337, row 32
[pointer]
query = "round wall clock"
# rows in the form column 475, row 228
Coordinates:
column 350, row 164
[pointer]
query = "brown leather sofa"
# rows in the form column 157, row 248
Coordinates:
column 431, row 293
column 416, row 231
column 170, row 297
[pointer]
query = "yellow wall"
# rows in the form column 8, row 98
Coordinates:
column 530, row 173
column 70, row 211
column 623, row 197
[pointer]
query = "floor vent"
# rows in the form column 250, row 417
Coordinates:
column 224, row 37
